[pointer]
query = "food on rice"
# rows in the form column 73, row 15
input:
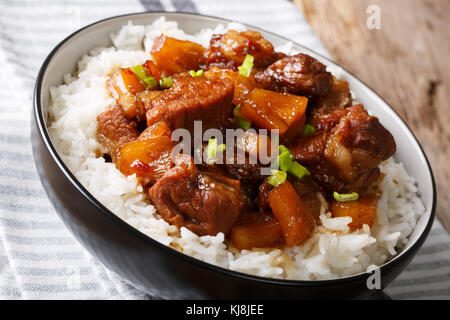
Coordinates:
column 112, row 124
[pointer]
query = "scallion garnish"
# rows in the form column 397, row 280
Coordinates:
column 286, row 163
column 298, row 171
column 240, row 120
column 165, row 83
column 197, row 73
column 277, row 177
column 221, row 147
column 213, row 148
column 345, row 196
column 246, row 66
column 150, row 82
column 282, row 149
column 308, row 129
column 237, row 111
column 243, row 124
column 139, row 71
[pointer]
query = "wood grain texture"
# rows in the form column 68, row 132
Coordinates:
column 407, row 62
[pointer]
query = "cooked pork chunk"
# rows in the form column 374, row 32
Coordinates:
column 321, row 110
column 192, row 99
column 203, row 202
column 345, row 158
column 299, row 74
column 228, row 50
column 115, row 130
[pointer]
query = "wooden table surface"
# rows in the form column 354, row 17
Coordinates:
column 407, row 62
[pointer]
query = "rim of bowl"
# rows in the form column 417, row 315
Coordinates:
column 42, row 126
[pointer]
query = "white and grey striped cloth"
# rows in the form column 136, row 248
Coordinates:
column 39, row 258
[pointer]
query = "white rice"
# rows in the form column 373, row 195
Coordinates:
column 332, row 251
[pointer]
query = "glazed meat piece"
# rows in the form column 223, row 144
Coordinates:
column 115, row 130
column 205, row 203
column 326, row 174
column 250, row 194
column 238, row 167
column 300, row 74
column 215, row 72
column 326, row 121
column 346, row 158
column 310, row 148
column 246, row 172
column 248, row 175
column 144, row 102
column 246, row 163
column 320, row 109
column 263, row 196
column 191, row 99
column 359, row 142
column 228, row 50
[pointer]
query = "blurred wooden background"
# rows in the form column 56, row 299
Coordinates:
column 407, row 62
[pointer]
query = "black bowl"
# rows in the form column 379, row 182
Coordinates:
column 160, row 270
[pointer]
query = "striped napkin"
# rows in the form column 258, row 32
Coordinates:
column 39, row 258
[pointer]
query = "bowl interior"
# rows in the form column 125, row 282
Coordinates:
column 65, row 57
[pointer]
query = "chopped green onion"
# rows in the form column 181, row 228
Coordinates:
column 285, row 158
column 150, row 82
column 287, row 163
column 237, row 111
column 308, row 129
column 243, row 124
column 139, row 71
column 165, row 83
column 246, row 66
column 298, row 171
column 194, row 73
column 240, row 120
column 221, row 147
column 345, row 196
column 277, row 177
column 213, row 148
column 284, row 161
column 282, row 149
